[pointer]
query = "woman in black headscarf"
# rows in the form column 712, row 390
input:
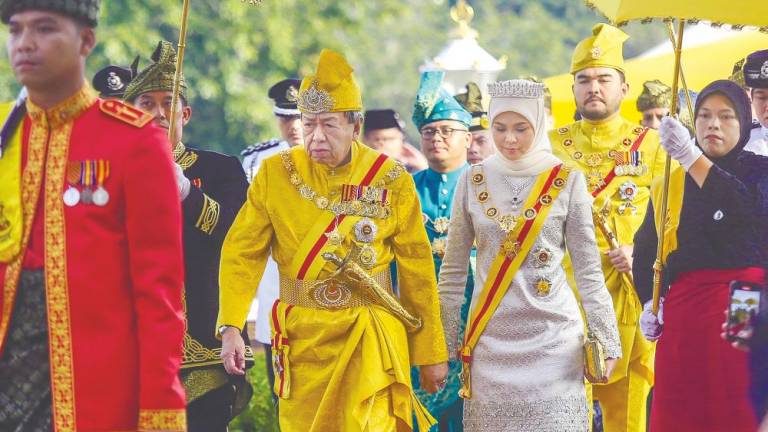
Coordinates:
column 715, row 232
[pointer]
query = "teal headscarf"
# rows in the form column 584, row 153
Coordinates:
column 433, row 103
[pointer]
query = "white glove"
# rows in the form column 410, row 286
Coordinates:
column 650, row 324
column 678, row 143
column 182, row 182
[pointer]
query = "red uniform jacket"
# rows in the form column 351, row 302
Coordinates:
column 114, row 273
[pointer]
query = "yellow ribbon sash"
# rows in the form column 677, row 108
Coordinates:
column 11, row 226
column 308, row 262
column 511, row 255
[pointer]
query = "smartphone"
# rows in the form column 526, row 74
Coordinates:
column 743, row 306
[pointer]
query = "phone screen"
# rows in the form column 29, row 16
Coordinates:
column 744, row 306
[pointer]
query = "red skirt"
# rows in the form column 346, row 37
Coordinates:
column 702, row 382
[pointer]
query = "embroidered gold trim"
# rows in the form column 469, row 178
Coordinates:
column 166, row 420
column 31, row 181
column 60, row 332
column 195, row 352
column 199, row 382
column 183, row 157
column 209, row 215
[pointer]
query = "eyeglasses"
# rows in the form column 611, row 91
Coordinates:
column 444, row 131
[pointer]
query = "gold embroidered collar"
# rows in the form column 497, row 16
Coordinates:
column 66, row 111
column 182, row 156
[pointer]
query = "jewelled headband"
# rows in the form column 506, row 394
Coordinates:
column 315, row 100
column 516, row 88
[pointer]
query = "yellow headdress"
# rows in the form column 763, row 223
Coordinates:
column 603, row 49
column 332, row 88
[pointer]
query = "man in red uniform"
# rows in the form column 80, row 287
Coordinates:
column 91, row 267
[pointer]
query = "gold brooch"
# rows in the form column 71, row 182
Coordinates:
column 543, row 286
column 507, row 223
column 510, row 248
column 541, row 257
column 331, row 294
column 439, row 245
column 441, row 224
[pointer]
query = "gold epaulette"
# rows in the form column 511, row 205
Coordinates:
column 125, row 113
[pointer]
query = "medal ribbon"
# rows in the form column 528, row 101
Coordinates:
column 504, row 267
column 102, row 172
column 611, row 175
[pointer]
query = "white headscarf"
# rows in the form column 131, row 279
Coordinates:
column 527, row 99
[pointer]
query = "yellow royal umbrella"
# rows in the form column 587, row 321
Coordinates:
column 696, row 61
column 738, row 13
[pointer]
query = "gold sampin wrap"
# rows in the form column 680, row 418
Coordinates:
column 351, row 274
column 594, row 359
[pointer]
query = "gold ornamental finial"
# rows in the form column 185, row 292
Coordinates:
column 462, row 13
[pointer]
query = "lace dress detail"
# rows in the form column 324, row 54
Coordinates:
column 527, row 369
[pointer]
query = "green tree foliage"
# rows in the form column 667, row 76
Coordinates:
column 236, row 51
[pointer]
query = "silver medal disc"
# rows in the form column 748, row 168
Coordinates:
column 100, row 197
column 86, row 196
column 71, row 197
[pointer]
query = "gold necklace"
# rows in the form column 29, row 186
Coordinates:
column 507, row 221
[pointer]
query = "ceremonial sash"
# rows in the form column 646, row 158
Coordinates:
column 11, row 219
column 612, row 175
column 513, row 252
column 281, row 349
column 667, row 227
column 308, row 262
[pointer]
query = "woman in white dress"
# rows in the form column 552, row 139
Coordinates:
column 526, row 365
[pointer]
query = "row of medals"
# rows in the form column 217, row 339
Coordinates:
column 86, row 173
column 99, row 197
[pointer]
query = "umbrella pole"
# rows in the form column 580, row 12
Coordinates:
column 657, row 265
column 688, row 100
column 177, row 77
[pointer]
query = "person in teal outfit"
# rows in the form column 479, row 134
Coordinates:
column 444, row 128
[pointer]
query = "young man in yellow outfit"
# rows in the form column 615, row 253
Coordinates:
column 334, row 214
column 619, row 159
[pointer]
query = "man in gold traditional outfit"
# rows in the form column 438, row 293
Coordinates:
column 620, row 159
column 334, row 214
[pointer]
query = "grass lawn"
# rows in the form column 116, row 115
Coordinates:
column 260, row 414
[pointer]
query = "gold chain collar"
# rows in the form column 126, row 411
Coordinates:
column 357, row 208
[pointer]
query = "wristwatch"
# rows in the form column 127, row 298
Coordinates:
column 224, row 328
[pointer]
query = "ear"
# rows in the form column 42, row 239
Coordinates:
column 467, row 140
column 88, row 41
column 186, row 114
column 357, row 130
column 624, row 89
